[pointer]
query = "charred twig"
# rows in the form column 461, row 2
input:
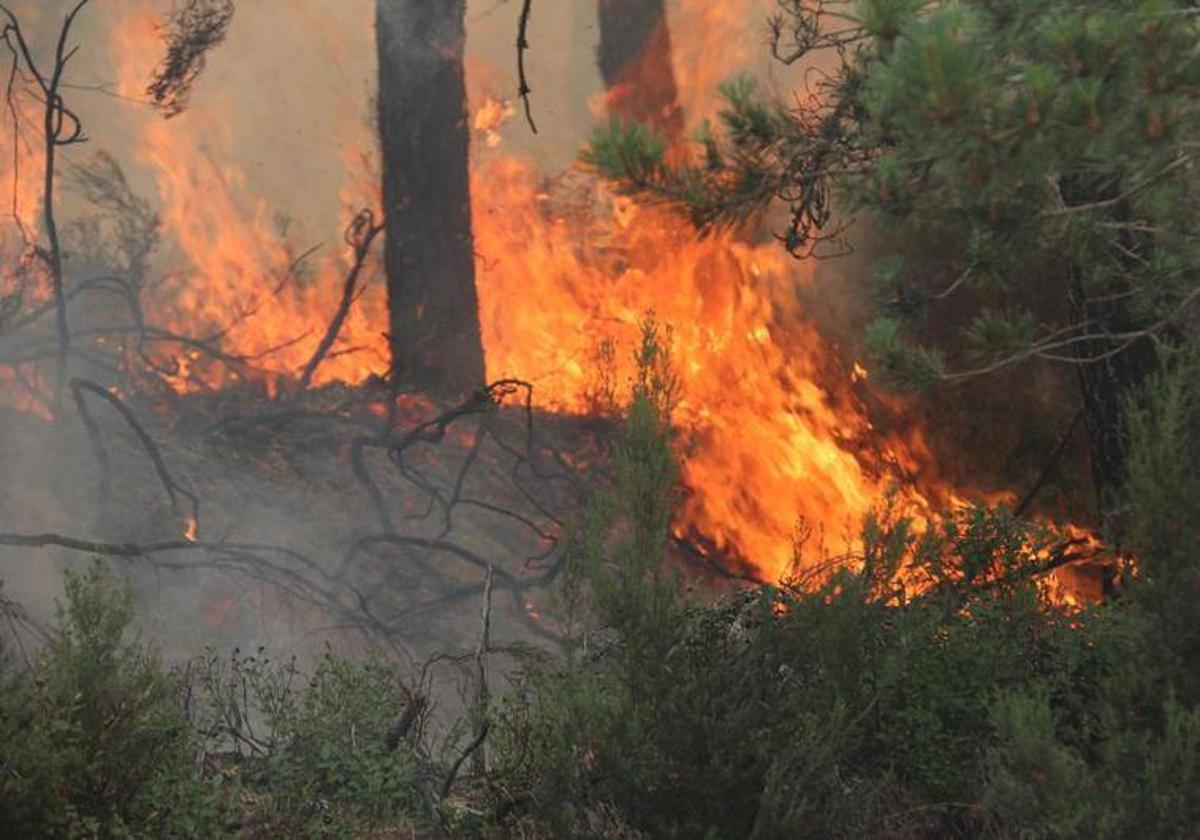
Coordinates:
column 359, row 236
column 520, row 519
column 434, row 431
column 516, row 587
column 523, row 88
column 362, row 474
column 107, row 283
column 429, row 432
column 99, row 451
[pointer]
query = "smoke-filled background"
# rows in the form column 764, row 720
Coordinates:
column 253, row 185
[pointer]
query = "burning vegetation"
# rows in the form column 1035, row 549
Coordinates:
column 550, row 453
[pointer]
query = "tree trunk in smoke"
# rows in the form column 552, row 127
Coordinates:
column 635, row 62
column 429, row 251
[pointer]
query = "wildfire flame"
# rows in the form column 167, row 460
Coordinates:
column 776, row 430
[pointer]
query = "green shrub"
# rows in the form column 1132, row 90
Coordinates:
column 320, row 754
column 96, row 742
column 848, row 707
column 99, row 742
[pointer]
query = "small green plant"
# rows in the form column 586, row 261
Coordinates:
column 96, row 742
column 320, row 753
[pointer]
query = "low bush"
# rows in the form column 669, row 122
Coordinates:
column 850, row 707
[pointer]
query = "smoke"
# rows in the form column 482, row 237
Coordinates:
column 277, row 149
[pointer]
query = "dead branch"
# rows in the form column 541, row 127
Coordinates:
column 107, row 283
column 431, row 431
column 523, row 88
column 475, row 744
column 434, row 431
column 249, row 559
column 60, row 127
column 359, row 236
column 104, row 490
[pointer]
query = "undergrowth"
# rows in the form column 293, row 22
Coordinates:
column 836, row 706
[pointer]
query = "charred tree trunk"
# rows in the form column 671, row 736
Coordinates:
column 635, row 62
column 429, row 251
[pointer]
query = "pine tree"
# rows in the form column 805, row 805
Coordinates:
column 429, row 251
column 1034, row 160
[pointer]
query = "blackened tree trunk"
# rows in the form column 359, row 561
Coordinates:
column 429, row 251
column 635, row 63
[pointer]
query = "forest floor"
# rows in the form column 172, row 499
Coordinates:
column 291, row 551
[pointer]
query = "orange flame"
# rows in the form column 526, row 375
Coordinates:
column 244, row 279
column 775, row 427
column 775, row 431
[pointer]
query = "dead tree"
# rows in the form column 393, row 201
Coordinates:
column 60, row 127
column 429, row 247
column 635, row 61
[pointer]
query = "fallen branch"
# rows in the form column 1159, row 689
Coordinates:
column 244, row 558
column 516, row 586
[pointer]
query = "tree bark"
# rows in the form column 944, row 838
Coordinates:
column 1111, row 377
column 635, row 62
column 1107, row 388
column 429, row 251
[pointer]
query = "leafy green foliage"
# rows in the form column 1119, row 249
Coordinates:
column 96, row 743
column 99, row 741
column 844, row 705
column 925, row 688
column 339, row 741
column 318, row 750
